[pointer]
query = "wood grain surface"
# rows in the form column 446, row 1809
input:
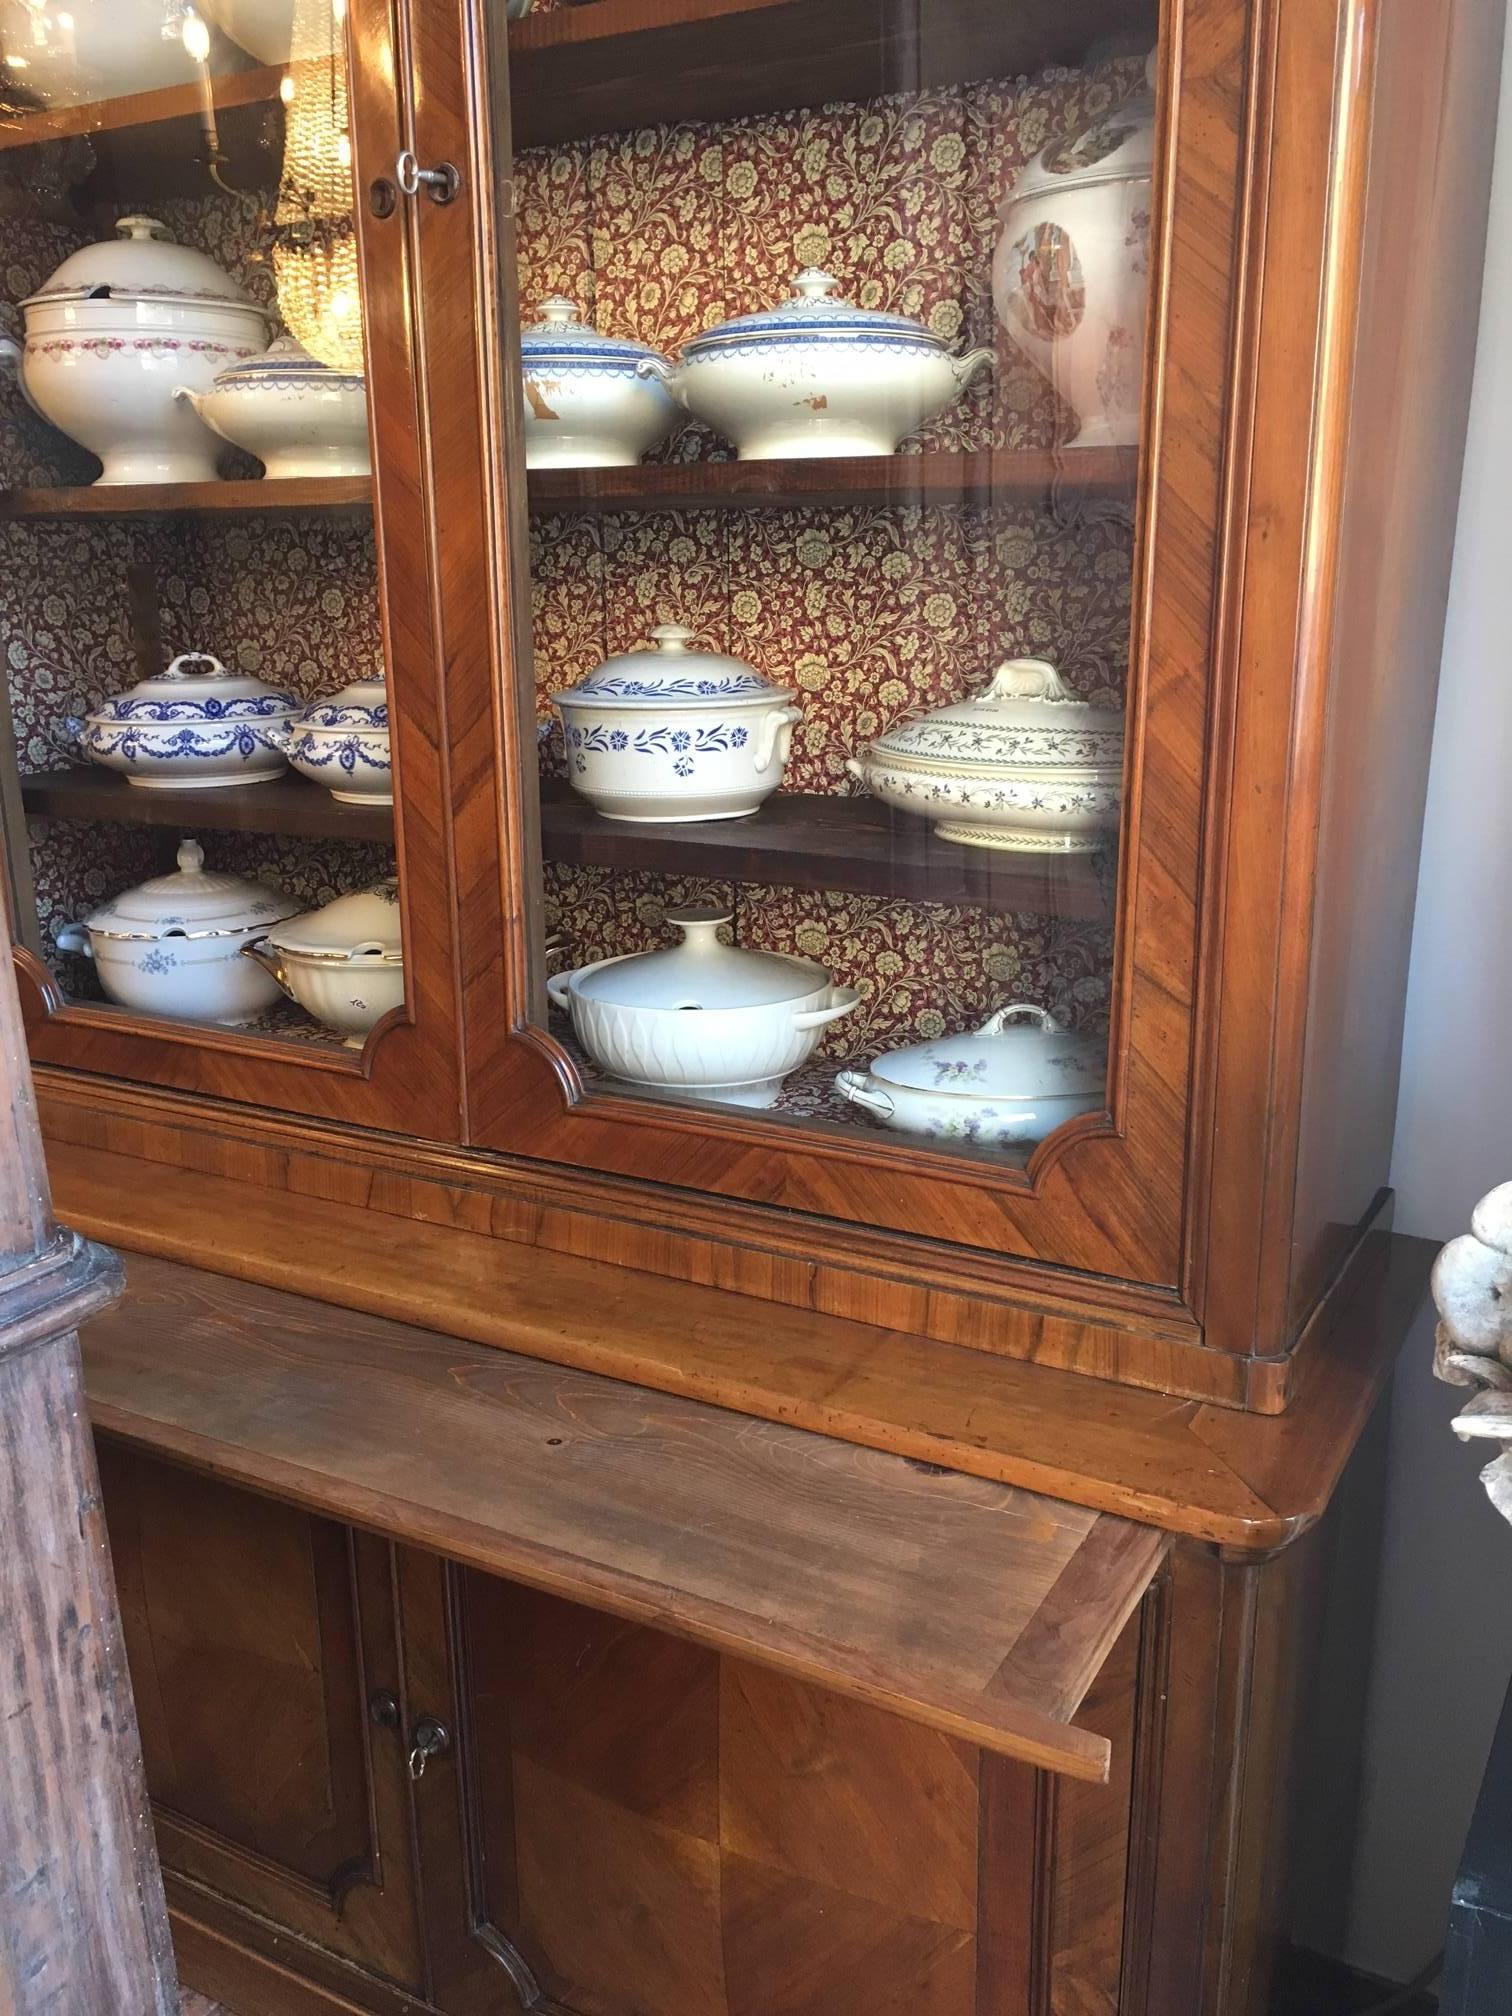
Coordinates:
column 878, row 1577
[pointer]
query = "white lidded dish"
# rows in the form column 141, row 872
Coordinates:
column 299, row 417
column 702, row 1019
column 1071, row 269
column 343, row 963
column 589, row 404
column 193, row 727
column 343, row 744
column 171, row 946
column 1023, row 765
column 676, row 733
column 818, row 376
column 115, row 330
column 1014, row 1080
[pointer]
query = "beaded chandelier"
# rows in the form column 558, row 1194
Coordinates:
column 314, row 236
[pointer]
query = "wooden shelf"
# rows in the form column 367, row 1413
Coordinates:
column 975, row 1608
column 937, row 477
column 283, row 805
column 346, row 495
column 620, row 64
column 803, row 841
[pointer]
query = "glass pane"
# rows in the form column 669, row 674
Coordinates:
column 184, row 441
column 832, row 384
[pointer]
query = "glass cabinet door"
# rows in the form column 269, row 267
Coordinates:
column 210, row 704
column 831, row 385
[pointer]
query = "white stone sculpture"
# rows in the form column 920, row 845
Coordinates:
column 1472, row 1289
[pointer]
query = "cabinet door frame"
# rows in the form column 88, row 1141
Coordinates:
column 1106, row 1194
column 407, row 1077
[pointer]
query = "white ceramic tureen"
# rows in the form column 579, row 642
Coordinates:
column 296, row 415
column 1072, row 266
column 343, row 963
column 195, row 727
column 817, row 376
column 1023, row 765
column 676, row 734
column 115, row 330
column 702, row 1019
column 1017, row 1078
column 343, row 743
column 172, row 946
column 589, row 404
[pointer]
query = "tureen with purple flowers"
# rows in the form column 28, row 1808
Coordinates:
column 675, row 733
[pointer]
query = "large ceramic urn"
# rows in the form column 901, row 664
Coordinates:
column 116, row 329
column 1071, row 269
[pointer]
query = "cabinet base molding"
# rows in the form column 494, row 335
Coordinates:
column 248, row 1982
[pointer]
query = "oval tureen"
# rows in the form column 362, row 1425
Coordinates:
column 343, row 963
column 296, row 415
column 1072, row 266
column 817, row 376
column 589, row 403
column 676, row 734
column 115, row 330
column 343, row 743
column 702, row 1019
column 1023, row 765
column 1016, row 1079
column 195, row 727
column 172, row 946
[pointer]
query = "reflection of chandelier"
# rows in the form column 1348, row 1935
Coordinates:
column 314, row 236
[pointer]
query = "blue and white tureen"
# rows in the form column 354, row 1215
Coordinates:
column 591, row 401
column 194, row 727
column 343, row 743
column 676, row 734
column 295, row 414
column 818, row 376
column 172, row 946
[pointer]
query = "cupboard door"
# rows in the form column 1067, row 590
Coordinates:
column 257, row 1636
column 258, row 157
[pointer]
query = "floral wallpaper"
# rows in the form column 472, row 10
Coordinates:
column 871, row 614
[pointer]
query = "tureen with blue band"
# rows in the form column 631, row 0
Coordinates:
column 817, row 376
column 343, row 743
column 676, row 734
column 195, row 726
column 295, row 414
column 591, row 401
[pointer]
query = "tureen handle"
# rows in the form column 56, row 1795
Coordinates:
column 1025, row 679
column 967, row 367
column 669, row 374
column 558, row 986
column 858, row 1088
column 842, row 1001
column 193, row 658
column 260, row 950
column 776, row 736
column 996, row 1024
column 73, row 938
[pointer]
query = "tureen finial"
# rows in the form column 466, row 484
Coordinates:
column 1026, row 679
column 814, row 284
column 191, row 857
column 143, row 228
column 557, row 311
column 672, row 638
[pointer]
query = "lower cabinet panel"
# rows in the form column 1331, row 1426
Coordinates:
column 664, row 1832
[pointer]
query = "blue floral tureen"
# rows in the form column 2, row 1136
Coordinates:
column 675, row 733
column 591, row 401
column 343, row 743
column 818, row 376
column 195, row 726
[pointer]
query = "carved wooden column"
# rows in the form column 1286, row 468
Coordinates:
column 83, row 1925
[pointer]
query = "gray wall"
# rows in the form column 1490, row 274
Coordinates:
column 1443, row 1611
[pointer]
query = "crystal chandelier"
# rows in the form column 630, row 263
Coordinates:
column 314, row 234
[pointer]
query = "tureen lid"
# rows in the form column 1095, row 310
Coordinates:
column 142, row 259
column 670, row 671
column 815, row 312
column 361, row 704
column 701, row 972
column 287, row 364
column 362, row 927
column 1024, row 714
column 1007, row 1058
column 1117, row 146
column 197, row 687
column 193, row 902
column 559, row 336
